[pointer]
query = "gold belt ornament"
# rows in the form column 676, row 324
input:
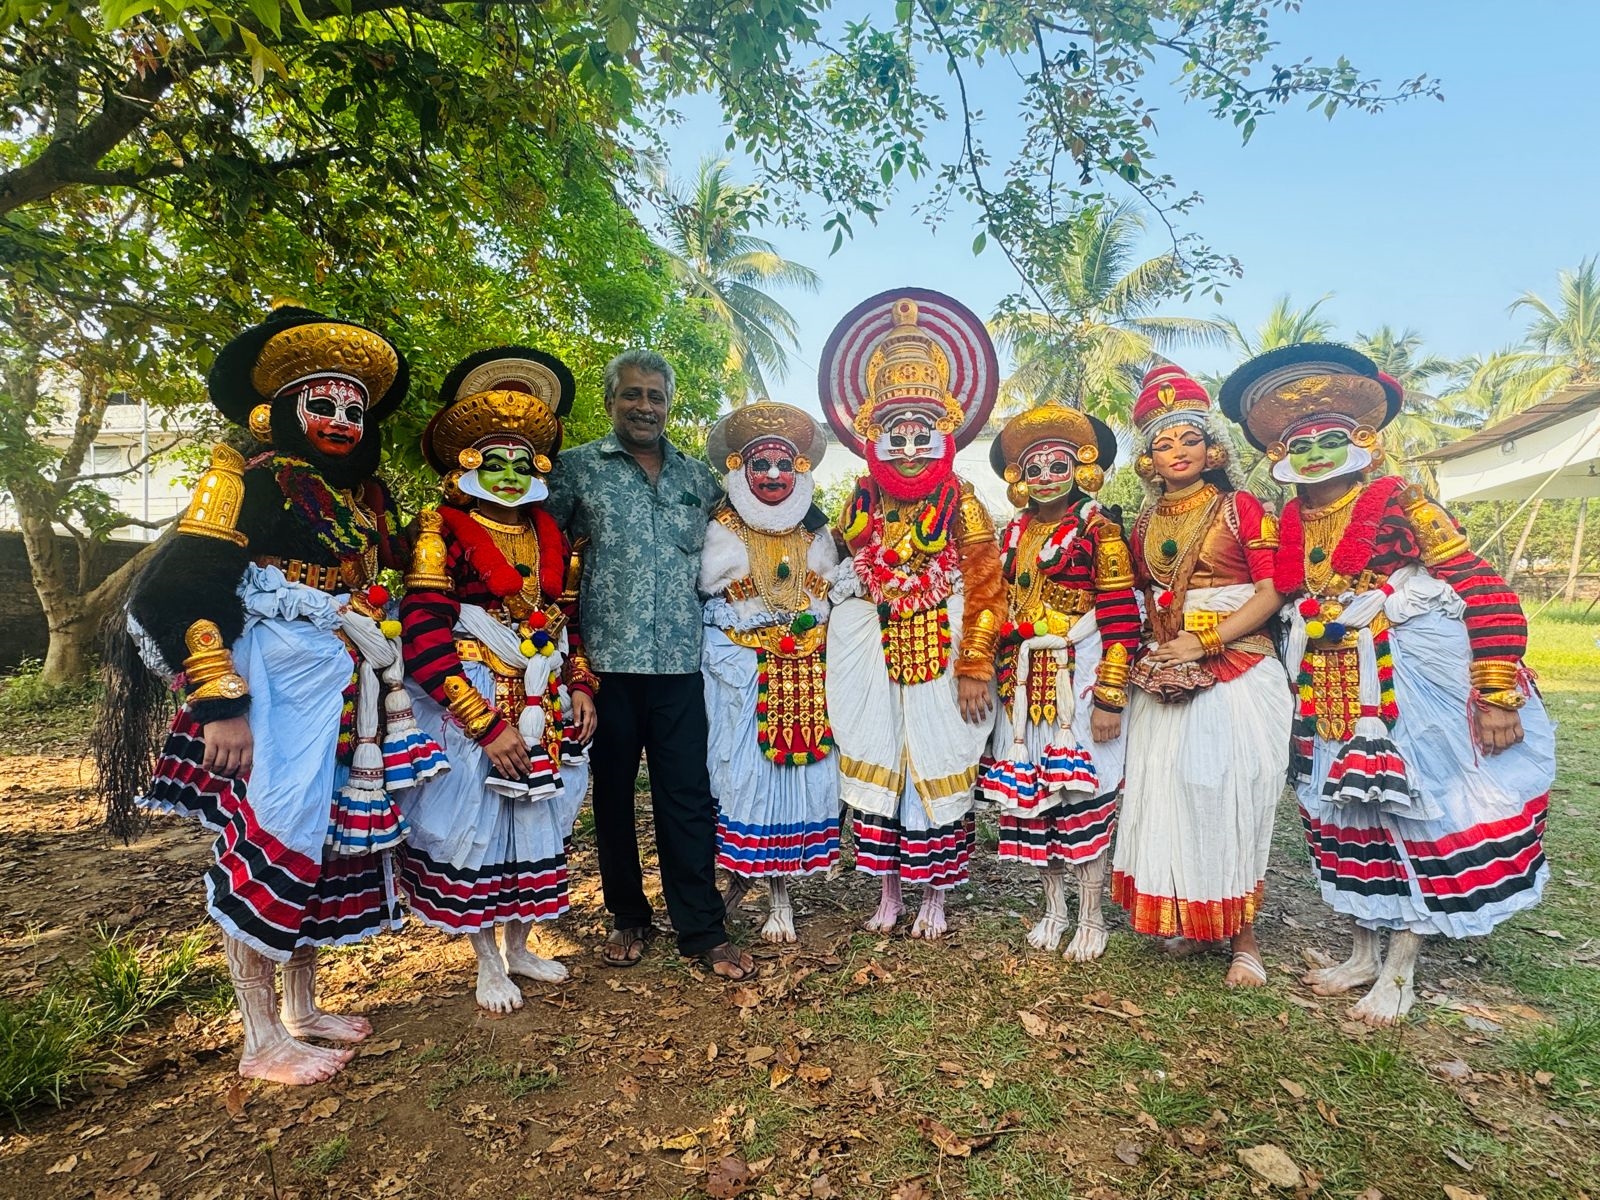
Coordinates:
column 472, row 650
column 770, row 638
column 324, row 579
column 1200, row 619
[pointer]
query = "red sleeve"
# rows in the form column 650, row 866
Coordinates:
column 1259, row 534
column 1496, row 625
column 1116, row 612
column 427, row 636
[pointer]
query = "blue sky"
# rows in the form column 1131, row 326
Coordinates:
column 1433, row 215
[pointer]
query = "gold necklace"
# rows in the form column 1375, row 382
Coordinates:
column 1174, row 528
column 778, row 567
column 520, row 546
column 1029, row 578
column 1324, row 530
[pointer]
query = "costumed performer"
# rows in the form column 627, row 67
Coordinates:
column 1422, row 754
column 1055, row 762
column 907, row 378
column 497, row 670
column 1209, row 710
column 767, row 566
column 295, row 731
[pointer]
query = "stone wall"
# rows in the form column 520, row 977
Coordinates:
column 22, row 629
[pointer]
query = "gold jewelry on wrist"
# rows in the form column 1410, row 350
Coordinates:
column 468, row 707
column 1494, row 675
column 1109, row 698
column 1210, row 642
column 1507, row 698
column 1113, row 670
column 979, row 644
column 208, row 671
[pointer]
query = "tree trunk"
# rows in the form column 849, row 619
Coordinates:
column 1515, row 564
column 1571, row 594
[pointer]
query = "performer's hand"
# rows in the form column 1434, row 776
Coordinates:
column 1104, row 726
column 972, row 698
column 1498, row 728
column 230, row 747
column 584, row 719
column 1182, row 649
column 509, row 755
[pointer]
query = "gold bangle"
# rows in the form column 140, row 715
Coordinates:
column 1113, row 671
column 468, row 707
column 1211, row 642
column 1494, row 675
column 1508, row 698
column 1114, row 699
column 208, row 670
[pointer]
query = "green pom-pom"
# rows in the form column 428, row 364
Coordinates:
column 1169, row 547
column 524, row 570
column 1318, row 554
column 1025, row 580
column 783, row 570
column 803, row 622
column 883, row 612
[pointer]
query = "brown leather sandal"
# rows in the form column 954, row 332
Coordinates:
column 630, row 943
column 729, row 955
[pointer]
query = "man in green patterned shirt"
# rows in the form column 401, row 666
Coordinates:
column 642, row 505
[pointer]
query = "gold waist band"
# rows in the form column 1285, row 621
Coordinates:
column 770, row 638
column 324, row 579
column 472, row 650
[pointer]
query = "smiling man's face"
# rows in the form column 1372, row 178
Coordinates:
column 638, row 409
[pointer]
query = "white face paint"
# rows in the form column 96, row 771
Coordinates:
column 331, row 410
column 909, row 440
column 1047, row 470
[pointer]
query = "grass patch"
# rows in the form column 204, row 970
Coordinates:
column 514, row 1078
column 1569, row 1054
column 55, row 1042
column 42, row 718
column 324, row 1158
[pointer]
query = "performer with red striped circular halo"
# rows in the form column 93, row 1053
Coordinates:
column 1208, row 714
column 1055, row 763
column 1421, row 752
column 908, row 377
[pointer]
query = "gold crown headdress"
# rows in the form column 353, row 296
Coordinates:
column 907, row 370
column 743, row 427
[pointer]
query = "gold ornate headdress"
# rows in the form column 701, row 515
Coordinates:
column 502, row 392
column 322, row 348
column 732, row 435
column 907, row 370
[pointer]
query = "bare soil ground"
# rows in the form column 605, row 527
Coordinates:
column 853, row 1066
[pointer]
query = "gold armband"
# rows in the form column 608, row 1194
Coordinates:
column 1494, row 675
column 569, row 590
column 208, row 671
column 468, row 707
column 1113, row 670
column 1113, row 564
column 1509, row 698
column 975, row 523
column 1437, row 537
column 427, row 572
column 979, row 643
column 218, row 497
column 1269, row 534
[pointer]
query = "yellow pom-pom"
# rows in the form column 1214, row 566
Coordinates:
column 1315, row 629
column 1306, row 693
column 389, row 629
column 548, row 649
column 1058, row 623
column 527, row 648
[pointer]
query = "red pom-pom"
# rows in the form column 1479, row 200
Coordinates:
column 891, row 558
column 377, row 595
column 1164, row 600
column 1310, row 606
column 786, row 643
column 761, row 707
column 538, row 620
column 1008, row 629
column 1025, row 629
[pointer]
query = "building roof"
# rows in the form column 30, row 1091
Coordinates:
column 1565, row 403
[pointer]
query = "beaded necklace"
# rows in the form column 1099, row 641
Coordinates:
column 1175, row 526
column 1324, row 529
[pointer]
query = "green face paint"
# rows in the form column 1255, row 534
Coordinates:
column 1321, row 456
column 506, row 473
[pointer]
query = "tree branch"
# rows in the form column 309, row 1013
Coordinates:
column 124, row 472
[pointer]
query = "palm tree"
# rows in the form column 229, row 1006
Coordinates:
column 1285, row 326
column 1425, row 420
column 713, row 254
column 1092, row 350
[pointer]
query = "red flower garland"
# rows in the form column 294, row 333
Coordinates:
column 1355, row 548
column 500, row 576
